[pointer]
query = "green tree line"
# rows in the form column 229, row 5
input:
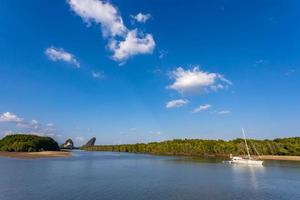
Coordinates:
column 199, row 147
column 28, row 143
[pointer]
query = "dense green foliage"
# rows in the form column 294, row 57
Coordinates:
column 28, row 143
column 198, row 147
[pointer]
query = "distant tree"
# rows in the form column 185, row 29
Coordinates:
column 28, row 143
column 198, row 147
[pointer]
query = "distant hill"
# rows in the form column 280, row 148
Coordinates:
column 69, row 144
column 90, row 143
column 199, row 147
column 28, row 143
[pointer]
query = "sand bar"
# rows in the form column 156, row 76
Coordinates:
column 290, row 158
column 29, row 155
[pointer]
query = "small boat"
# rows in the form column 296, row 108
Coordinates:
column 248, row 160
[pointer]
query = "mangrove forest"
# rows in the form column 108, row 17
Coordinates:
column 200, row 147
column 27, row 143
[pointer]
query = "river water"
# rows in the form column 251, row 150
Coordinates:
column 114, row 176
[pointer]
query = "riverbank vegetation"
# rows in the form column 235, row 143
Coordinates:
column 199, row 147
column 28, row 143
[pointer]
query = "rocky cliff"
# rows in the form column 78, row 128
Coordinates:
column 91, row 142
column 68, row 144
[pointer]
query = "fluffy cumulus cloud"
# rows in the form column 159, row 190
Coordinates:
column 133, row 44
column 196, row 81
column 26, row 126
column 202, row 108
column 100, row 12
column 59, row 54
column 10, row 117
column 176, row 103
column 140, row 17
column 123, row 43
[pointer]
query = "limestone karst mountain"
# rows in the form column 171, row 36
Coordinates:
column 91, row 142
column 68, row 144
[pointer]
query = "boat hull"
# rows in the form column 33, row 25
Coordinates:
column 247, row 162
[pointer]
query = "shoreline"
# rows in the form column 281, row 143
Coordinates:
column 33, row 155
column 64, row 154
column 262, row 157
column 219, row 156
column 283, row 158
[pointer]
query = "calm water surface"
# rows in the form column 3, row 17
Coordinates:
column 103, row 175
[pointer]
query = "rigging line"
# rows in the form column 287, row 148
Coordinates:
column 255, row 150
column 247, row 148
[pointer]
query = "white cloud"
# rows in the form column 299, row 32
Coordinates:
column 142, row 18
column 123, row 43
column 202, row 108
column 34, row 124
column 59, row 54
column 224, row 112
column 97, row 75
column 195, row 80
column 102, row 13
column 132, row 45
column 27, row 126
column 30, row 133
column 10, row 117
column 176, row 103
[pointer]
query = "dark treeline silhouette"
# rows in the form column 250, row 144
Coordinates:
column 28, row 143
column 199, row 147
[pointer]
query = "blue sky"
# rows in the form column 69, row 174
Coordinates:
column 132, row 71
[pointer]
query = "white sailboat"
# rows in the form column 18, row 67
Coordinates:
column 248, row 160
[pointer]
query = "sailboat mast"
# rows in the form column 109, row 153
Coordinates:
column 247, row 148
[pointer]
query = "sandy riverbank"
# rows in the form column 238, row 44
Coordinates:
column 42, row 154
column 288, row 158
column 262, row 157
